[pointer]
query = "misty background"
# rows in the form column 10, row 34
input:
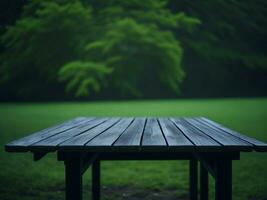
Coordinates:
column 91, row 50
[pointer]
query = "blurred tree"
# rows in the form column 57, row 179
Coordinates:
column 231, row 30
column 228, row 48
column 127, row 46
column 140, row 55
column 82, row 76
column 58, row 43
column 39, row 43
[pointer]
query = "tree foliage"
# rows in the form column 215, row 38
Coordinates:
column 121, row 45
column 41, row 42
column 119, row 48
column 83, row 76
column 138, row 55
column 232, row 32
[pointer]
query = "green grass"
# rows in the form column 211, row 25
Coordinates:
column 21, row 178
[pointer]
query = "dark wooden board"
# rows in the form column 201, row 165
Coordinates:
column 23, row 143
column 173, row 135
column 153, row 135
column 53, row 141
column 137, row 134
column 228, row 141
column 258, row 145
column 199, row 139
column 79, row 141
column 133, row 134
column 108, row 137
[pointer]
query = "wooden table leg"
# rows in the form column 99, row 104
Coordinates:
column 96, row 180
column 223, row 182
column 193, row 179
column 73, row 175
column 204, row 183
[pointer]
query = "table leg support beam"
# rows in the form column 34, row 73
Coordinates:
column 223, row 182
column 96, row 180
column 204, row 183
column 219, row 165
column 73, row 175
column 193, row 176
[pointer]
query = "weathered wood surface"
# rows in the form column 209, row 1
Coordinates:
column 137, row 134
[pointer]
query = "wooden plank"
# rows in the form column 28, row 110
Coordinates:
column 23, row 143
column 153, row 135
column 79, row 141
column 96, row 193
column 223, row 181
column 53, row 141
column 108, row 137
column 228, row 141
column 73, row 178
column 201, row 140
column 258, row 145
column 133, row 134
column 173, row 135
column 204, row 183
column 193, row 179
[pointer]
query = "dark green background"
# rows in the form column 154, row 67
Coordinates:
column 225, row 56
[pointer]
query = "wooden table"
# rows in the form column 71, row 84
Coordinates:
column 82, row 142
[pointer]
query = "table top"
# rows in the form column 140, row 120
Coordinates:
column 96, row 134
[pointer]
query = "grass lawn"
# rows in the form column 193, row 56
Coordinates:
column 21, row 178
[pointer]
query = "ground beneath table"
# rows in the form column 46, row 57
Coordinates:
column 133, row 193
